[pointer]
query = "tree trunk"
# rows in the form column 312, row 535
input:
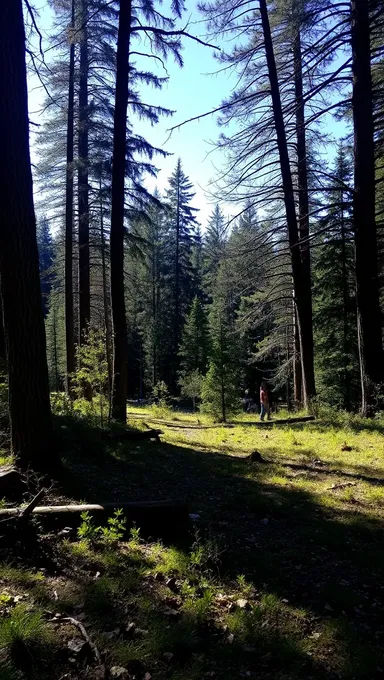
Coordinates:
column 346, row 344
column 2, row 345
column 177, row 289
column 106, row 298
column 55, row 348
column 30, row 414
column 297, row 368
column 83, row 195
column 304, row 312
column 302, row 182
column 367, row 286
column 222, row 377
column 69, row 316
column 119, row 396
column 155, row 296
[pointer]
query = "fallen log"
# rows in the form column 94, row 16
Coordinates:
column 159, row 519
column 282, row 421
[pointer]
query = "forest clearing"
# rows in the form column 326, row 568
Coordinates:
column 280, row 577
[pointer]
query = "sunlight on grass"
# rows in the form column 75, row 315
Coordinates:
column 172, row 560
column 24, row 637
column 5, row 457
column 20, row 576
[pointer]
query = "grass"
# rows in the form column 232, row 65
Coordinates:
column 283, row 578
column 25, row 640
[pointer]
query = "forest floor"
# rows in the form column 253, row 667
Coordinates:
column 283, row 578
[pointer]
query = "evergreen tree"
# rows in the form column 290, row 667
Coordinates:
column 214, row 243
column 152, row 292
column 220, row 392
column 55, row 333
column 194, row 349
column 245, row 263
column 334, row 295
column 55, row 323
column 181, row 228
column 46, row 259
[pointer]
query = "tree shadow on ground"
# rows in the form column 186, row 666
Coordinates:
column 324, row 560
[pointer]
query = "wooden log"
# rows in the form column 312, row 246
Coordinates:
column 281, row 421
column 159, row 519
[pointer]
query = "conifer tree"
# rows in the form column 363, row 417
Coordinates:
column 214, row 243
column 83, row 172
column 220, row 392
column 46, row 259
column 155, row 316
column 334, row 294
column 194, row 349
column 181, row 228
column 56, row 321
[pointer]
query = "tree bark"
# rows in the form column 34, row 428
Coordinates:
column 222, row 377
column 2, row 345
column 154, row 310
column 297, row 368
column 106, row 297
column 304, row 316
column 367, row 285
column 30, row 414
column 83, row 189
column 303, row 201
column 346, row 344
column 177, row 281
column 119, row 396
column 55, row 348
column 69, row 316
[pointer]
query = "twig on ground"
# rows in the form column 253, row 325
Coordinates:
column 81, row 628
column 341, row 485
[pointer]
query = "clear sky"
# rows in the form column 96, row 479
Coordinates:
column 189, row 91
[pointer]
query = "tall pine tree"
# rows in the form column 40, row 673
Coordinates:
column 334, row 294
column 181, row 224
column 194, row 349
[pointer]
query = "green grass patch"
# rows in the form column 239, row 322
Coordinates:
column 25, row 638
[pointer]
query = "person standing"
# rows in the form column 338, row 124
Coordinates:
column 264, row 401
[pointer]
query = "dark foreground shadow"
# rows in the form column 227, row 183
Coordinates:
column 328, row 562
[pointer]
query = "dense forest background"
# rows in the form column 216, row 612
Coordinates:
column 141, row 299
